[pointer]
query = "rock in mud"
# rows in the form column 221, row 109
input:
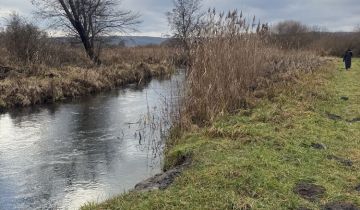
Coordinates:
column 163, row 180
column 343, row 161
column 159, row 181
column 340, row 206
column 309, row 191
column 319, row 146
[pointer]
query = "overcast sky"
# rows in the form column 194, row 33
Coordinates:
column 335, row 15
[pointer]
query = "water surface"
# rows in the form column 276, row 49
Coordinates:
column 62, row 156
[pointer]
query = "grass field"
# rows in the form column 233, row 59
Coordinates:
column 299, row 150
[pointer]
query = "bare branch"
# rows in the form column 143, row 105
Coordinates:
column 88, row 20
column 185, row 19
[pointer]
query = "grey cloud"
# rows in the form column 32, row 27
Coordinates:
column 333, row 14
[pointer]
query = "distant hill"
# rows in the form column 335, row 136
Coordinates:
column 129, row 41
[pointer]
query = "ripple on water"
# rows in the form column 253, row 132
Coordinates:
column 62, row 156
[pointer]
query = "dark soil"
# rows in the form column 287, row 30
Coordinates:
column 343, row 161
column 4, row 71
column 309, row 191
column 333, row 116
column 318, row 146
column 357, row 188
column 340, row 206
column 344, row 98
column 354, row 120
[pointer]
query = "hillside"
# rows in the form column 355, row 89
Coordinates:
column 130, row 41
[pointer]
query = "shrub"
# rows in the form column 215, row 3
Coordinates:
column 23, row 41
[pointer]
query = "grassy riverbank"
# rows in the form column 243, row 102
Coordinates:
column 24, row 85
column 298, row 150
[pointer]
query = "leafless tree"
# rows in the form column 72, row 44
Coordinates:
column 290, row 27
column 292, row 34
column 23, row 40
column 88, row 20
column 185, row 20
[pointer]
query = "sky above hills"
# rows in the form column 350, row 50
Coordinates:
column 335, row 15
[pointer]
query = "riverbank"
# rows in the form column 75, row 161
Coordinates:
column 298, row 150
column 58, row 84
column 40, row 84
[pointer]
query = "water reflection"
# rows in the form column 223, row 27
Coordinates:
column 61, row 156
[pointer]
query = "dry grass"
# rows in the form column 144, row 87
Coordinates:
column 71, row 74
column 50, row 85
column 148, row 54
column 233, row 65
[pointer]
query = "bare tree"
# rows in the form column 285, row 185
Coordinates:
column 88, row 20
column 290, row 27
column 184, row 20
column 24, row 41
column 292, row 34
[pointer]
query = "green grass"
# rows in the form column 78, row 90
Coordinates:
column 254, row 159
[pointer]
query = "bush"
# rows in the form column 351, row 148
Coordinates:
column 335, row 44
column 23, row 41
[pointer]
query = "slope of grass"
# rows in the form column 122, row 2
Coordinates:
column 254, row 160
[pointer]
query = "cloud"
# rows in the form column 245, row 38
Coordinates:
column 335, row 15
column 20, row 6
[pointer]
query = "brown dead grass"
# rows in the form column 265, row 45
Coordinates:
column 234, row 65
column 26, row 85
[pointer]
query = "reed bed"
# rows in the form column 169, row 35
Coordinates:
column 233, row 64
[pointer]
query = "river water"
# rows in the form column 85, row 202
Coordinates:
column 62, row 156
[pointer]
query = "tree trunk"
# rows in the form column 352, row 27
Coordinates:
column 89, row 48
column 91, row 52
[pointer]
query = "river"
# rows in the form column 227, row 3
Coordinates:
column 64, row 155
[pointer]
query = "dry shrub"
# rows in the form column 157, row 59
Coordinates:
column 24, row 44
column 147, row 54
column 23, row 40
column 335, row 44
column 57, row 55
column 231, row 64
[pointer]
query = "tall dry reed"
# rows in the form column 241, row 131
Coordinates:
column 230, row 63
